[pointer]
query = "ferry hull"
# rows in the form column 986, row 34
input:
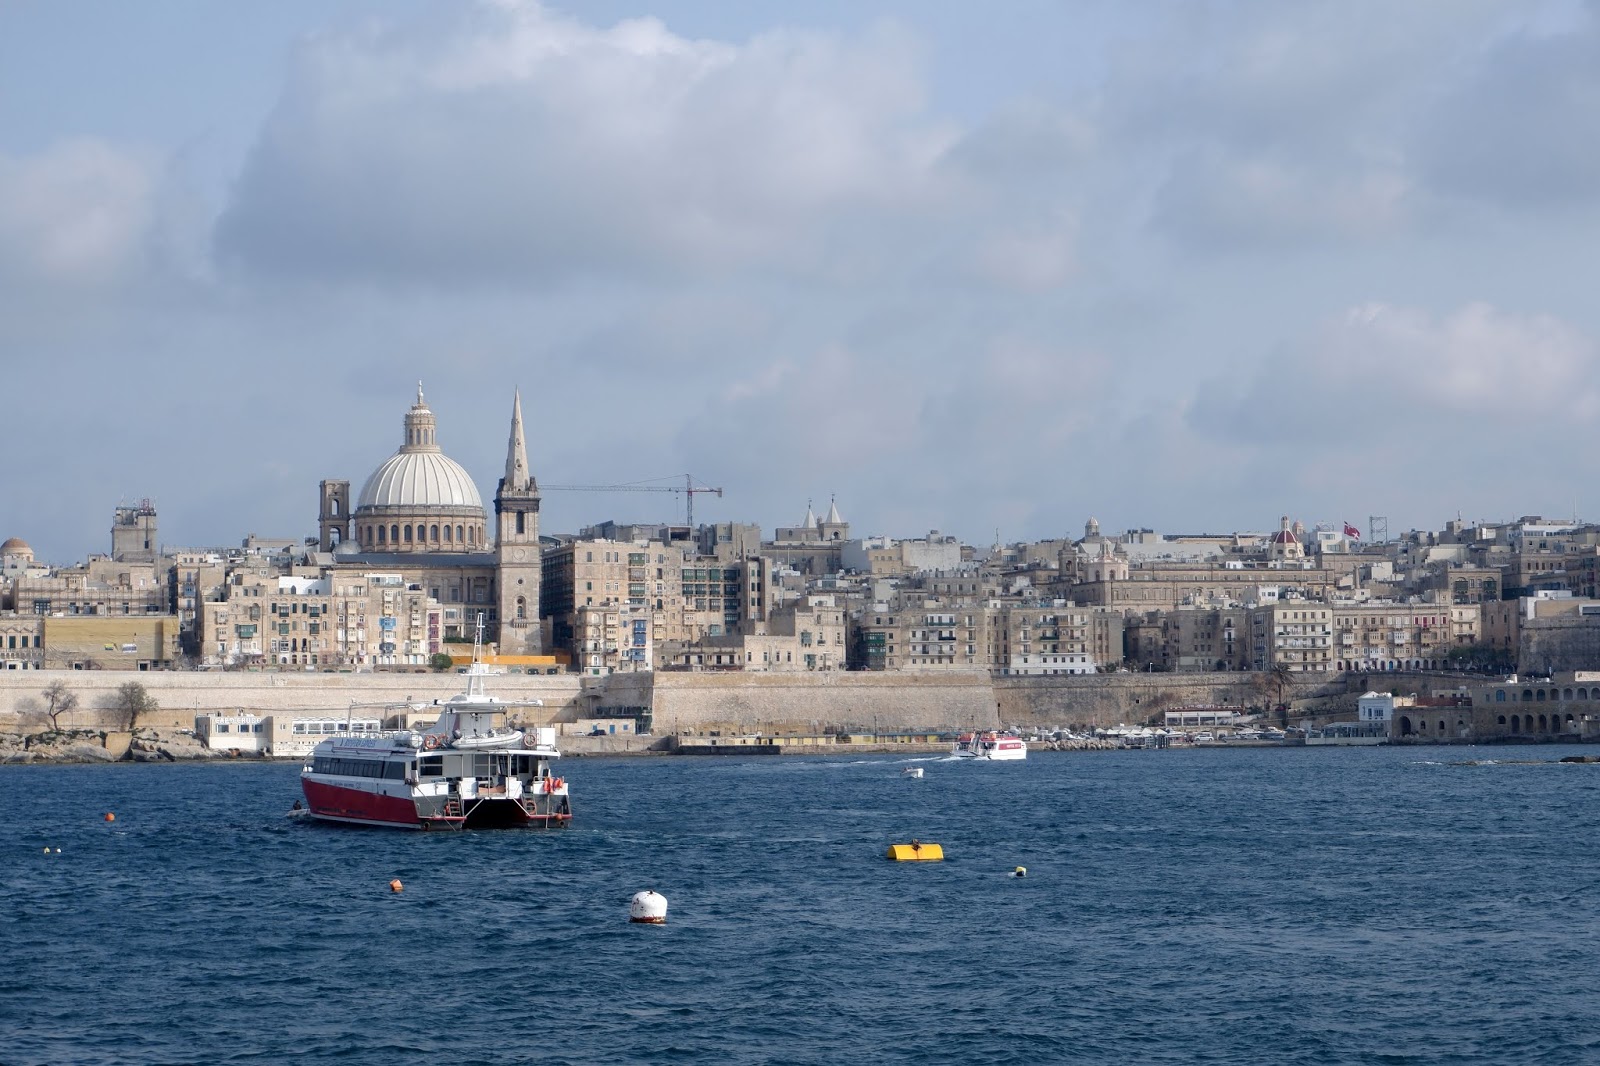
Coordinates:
column 358, row 806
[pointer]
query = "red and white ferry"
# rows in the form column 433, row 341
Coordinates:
column 990, row 745
column 466, row 771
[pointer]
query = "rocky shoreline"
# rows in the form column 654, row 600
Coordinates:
column 102, row 746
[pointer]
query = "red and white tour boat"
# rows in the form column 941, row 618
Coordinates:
column 468, row 770
column 990, row 745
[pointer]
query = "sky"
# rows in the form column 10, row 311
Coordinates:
column 987, row 269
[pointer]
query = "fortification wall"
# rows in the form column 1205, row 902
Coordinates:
column 806, row 703
column 700, row 702
column 181, row 695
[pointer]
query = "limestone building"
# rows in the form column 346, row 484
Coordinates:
column 687, row 597
column 812, row 547
column 347, row 619
column 1296, row 635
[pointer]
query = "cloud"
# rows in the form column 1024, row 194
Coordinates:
column 76, row 215
column 1215, row 201
column 522, row 144
column 1030, row 258
column 1523, row 129
column 1378, row 362
column 1267, row 126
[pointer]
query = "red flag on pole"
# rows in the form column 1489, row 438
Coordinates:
column 1352, row 532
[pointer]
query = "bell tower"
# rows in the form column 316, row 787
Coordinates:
column 517, row 562
column 333, row 517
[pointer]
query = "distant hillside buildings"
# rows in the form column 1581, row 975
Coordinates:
column 399, row 574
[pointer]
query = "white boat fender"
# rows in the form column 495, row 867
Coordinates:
column 648, row 908
column 1021, row 871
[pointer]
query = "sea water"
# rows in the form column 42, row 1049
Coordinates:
column 1419, row 905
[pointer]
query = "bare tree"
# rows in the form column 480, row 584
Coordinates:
column 133, row 700
column 58, row 700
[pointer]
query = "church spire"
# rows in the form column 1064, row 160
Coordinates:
column 517, row 476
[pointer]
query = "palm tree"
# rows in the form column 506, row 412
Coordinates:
column 1282, row 681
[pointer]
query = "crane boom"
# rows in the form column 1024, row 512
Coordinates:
column 688, row 488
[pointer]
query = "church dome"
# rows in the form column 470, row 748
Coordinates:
column 420, row 474
column 420, row 499
column 16, row 546
column 420, row 479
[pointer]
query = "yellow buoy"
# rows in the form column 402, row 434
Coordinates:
column 396, row 886
column 916, row 851
column 110, row 817
column 47, row 851
column 1021, row 871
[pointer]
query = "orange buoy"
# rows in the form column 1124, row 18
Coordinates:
column 395, row 885
column 110, row 817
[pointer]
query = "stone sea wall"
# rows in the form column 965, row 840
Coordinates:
column 181, row 695
column 688, row 702
column 807, row 703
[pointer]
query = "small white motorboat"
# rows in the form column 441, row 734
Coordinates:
column 911, row 771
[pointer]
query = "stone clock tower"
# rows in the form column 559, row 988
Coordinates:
column 517, row 562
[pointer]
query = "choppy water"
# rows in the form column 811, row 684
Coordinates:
column 1299, row 906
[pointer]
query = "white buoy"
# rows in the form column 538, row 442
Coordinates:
column 648, row 908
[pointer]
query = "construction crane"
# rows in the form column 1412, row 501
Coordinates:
column 688, row 488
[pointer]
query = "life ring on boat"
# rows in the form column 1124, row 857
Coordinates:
column 431, row 741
